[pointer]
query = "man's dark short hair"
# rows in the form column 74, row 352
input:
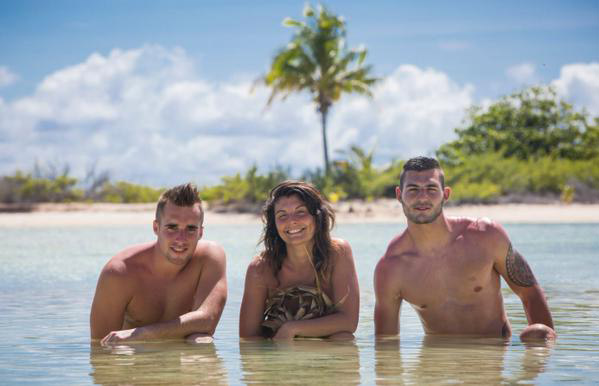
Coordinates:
column 420, row 164
column 181, row 195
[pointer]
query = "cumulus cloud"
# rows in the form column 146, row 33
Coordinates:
column 523, row 73
column 7, row 77
column 579, row 84
column 413, row 112
column 147, row 116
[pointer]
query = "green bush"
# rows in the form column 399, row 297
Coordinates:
column 24, row 188
column 251, row 188
column 356, row 176
column 484, row 178
column 474, row 192
column 125, row 192
column 532, row 123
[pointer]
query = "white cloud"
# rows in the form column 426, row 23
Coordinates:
column 579, row 84
column 147, row 116
column 413, row 112
column 7, row 77
column 523, row 73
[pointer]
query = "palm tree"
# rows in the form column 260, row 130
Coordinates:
column 318, row 60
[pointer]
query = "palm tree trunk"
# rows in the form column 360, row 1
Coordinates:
column 323, row 116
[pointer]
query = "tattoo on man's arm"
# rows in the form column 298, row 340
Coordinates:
column 518, row 269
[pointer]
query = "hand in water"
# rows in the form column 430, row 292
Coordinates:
column 285, row 332
column 536, row 332
column 199, row 338
column 115, row 337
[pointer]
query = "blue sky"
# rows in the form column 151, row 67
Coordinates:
column 158, row 92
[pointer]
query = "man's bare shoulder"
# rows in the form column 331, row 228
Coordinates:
column 128, row 261
column 388, row 271
column 397, row 251
column 209, row 250
column 481, row 229
column 398, row 246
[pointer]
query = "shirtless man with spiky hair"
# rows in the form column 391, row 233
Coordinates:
column 449, row 269
column 174, row 287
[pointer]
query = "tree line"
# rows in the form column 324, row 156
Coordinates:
column 530, row 145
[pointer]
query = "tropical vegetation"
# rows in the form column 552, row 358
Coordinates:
column 38, row 186
column 530, row 143
column 529, row 124
column 527, row 146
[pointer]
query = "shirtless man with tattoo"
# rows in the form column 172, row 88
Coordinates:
column 449, row 269
column 174, row 287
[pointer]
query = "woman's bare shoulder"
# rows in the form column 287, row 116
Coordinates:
column 341, row 249
column 341, row 244
column 260, row 269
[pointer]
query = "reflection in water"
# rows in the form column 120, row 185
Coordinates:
column 460, row 359
column 300, row 361
column 534, row 362
column 45, row 302
column 457, row 360
column 388, row 365
column 157, row 363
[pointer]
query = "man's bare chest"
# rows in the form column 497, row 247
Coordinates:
column 458, row 276
column 160, row 301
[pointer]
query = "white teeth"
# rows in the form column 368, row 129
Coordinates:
column 293, row 231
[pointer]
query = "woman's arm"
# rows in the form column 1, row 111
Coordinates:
column 346, row 292
column 253, row 302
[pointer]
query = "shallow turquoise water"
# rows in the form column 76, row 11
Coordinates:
column 48, row 276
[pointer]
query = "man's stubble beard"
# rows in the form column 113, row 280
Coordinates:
column 416, row 219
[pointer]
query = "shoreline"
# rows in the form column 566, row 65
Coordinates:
column 347, row 212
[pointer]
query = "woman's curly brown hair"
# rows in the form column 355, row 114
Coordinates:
column 275, row 249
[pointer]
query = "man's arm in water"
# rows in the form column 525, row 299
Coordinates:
column 519, row 276
column 209, row 301
column 388, row 299
column 113, row 293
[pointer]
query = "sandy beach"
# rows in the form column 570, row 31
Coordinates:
column 379, row 211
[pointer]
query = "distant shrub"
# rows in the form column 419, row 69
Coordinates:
column 250, row 188
column 24, row 188
column 476, row 192
column 485, row 178
column 125, row 192
column 27, row 188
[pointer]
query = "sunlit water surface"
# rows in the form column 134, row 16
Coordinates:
column 48, row 277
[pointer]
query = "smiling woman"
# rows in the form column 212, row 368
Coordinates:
column 304, row 283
